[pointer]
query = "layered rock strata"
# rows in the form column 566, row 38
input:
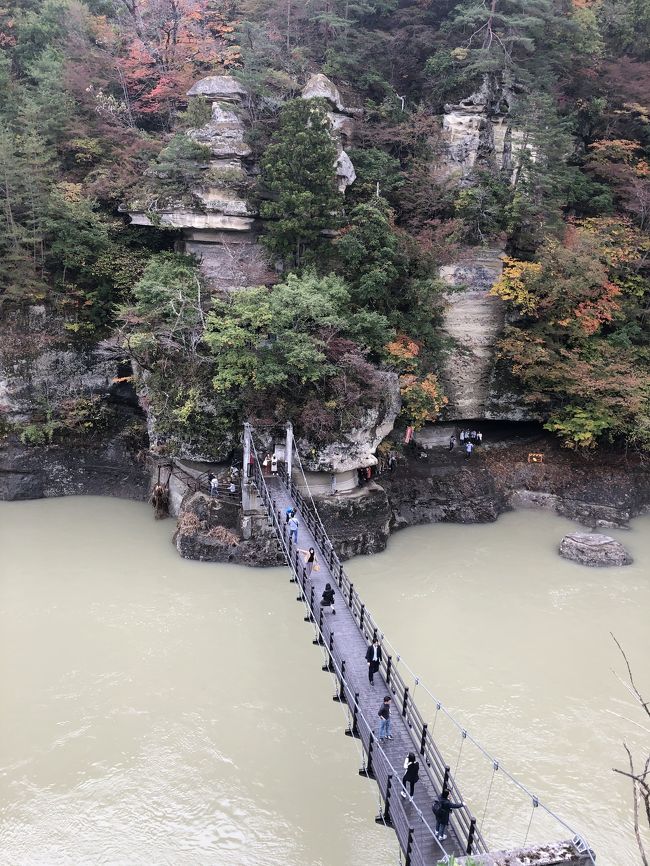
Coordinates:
column 219, row 227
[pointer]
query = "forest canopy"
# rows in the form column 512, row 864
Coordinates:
column 94, row 113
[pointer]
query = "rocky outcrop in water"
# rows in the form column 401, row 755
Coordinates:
column 594, row 550
column 209, row 530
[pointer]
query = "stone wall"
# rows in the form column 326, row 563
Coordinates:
column 556, row 854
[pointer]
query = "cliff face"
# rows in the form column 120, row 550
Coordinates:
column 477, row 134
column 43, row 380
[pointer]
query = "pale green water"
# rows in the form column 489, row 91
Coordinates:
column 157, row 711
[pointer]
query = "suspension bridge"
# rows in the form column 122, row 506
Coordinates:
column 344, row 639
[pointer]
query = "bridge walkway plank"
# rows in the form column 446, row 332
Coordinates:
column 351, row 645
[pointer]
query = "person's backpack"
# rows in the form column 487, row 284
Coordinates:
column 436, row 807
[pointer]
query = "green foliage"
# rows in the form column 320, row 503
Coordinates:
column 197, row 113
column 73, row 417
column 270, row 338
column 180, row 164
column 374, row 166
column 296, row 346
column 483, row 206
column 299, row 177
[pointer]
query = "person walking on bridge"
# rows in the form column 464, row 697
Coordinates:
column 442, row 809
column 309, row 562
column 412, row 774
column 384, row 724
column 373, row 657
column 293, row 528
column 328, row 598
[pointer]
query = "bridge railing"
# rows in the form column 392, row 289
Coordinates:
column 377, row 765
column 462, row 820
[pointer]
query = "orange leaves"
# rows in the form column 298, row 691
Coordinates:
column 594, row 313
column 422, row 399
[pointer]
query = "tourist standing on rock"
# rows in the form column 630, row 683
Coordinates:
column 274, row 465
column 412, row 773
column 452, row 441
column 373, row 657
column 328, row 598
column 468, row 450
column 309, row 562
column 479, row 437
column 392, row 461
column 214, row 486
column 461, row 436
column 384, row 724
column 442, row 810
column 293, row 529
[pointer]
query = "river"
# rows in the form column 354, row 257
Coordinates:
column 159, row 711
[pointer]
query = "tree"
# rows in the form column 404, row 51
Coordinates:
column 640, row 777
column 296, row 346
column 580, row 345
column 298, row 177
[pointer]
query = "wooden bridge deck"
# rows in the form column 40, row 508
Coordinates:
column 346, row 636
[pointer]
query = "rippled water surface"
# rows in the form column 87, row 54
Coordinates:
column 157, row 711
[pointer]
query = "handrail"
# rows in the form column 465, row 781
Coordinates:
column 370, row 628
column 394, row 807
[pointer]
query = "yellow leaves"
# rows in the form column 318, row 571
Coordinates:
column 422, row 399
column 70, row 192
column 514, row 284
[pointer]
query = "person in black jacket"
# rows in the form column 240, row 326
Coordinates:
column 373, row 657
column 327, row 599
column 412, row 774
column 442, row 810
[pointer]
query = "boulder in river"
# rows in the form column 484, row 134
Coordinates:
column 594, row 549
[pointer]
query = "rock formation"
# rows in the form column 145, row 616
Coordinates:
column 357, row 447
column 477, row 133
column 219, row 227
column 594, row 550
column 320, row 87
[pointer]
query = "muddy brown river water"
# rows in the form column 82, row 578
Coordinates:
column 158, row 711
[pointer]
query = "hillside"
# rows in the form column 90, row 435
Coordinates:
column 317, row 230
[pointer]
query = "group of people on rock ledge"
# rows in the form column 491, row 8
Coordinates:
column 468, row 440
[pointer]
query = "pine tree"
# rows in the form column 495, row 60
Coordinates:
column 299, row 178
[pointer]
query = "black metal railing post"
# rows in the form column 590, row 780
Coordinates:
column 385, row 818
column 353, row 730
column 405, row 700
column 389, row 667
column 423, row 741
column 368, row 770
column 409, row 848
column 341, row 695
column 445, row 781
column 318, row 640
column 310, row 614
column 470, row 837
column 350, row 596
column 362, row 614
column 329, row 667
